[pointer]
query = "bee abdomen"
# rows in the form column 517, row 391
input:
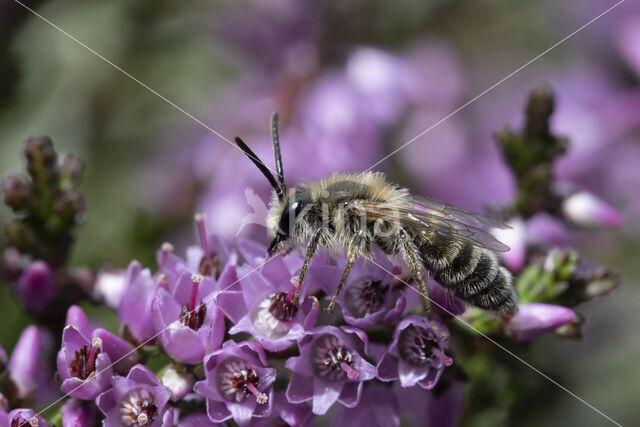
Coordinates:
column 481, row 278
column 438, row 252
column 461, row 267
column 472, row 273
column 499, row 295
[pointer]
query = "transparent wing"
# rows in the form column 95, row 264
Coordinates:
column 432, row 222
column 445, row 210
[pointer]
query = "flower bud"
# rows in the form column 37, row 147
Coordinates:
column 516, row 238
column 71, row 170
column 586, row 210
column 12, row 264
column 534, row 320
column 36, row 287
column 24, row 363
column 179, row 383
column 17, row 192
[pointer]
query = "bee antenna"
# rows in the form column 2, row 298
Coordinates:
column 276, row 151
column 260, row 164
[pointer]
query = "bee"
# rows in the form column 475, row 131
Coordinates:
column 357, row 213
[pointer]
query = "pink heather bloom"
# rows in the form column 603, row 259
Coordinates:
column 134, row 310
column 368, row 297
column 84, row 368
column 139, row 399
column 239, row 383
column 266, row 311
column 416, row 356
column 587, row 210
column 331, row 368
column 187, row 318
column 535, row 319
column 22, row 417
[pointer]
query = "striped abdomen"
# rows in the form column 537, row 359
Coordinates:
column 471, row 272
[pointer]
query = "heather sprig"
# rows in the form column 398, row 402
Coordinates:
column 215, row 337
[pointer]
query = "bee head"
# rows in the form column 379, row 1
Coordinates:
column 283, row 216
column 284, row 207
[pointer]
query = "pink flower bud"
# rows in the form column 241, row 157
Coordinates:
column 36, row 287
column 587, row 210
column 535, row 319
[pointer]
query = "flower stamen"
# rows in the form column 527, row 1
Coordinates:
column 210, row 263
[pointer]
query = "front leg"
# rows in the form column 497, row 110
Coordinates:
column 311, row 250
column 352, row 253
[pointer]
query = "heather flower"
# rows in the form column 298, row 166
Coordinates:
column 238, row 383
column 378, row 407
column 36, row 286
column 121, row 353
column 139, row 399
column 535, row 319
column 286, row 413
column 78, row 413
column 84, row 368
column 208, row 259
column 269, row 315
column 189, row 323
column 331, row 367
column 585, row 209
column 440, row 407
column 416, row 355
column 443, row 300
column 22, row 418
column 134, row 311
column 369, row 296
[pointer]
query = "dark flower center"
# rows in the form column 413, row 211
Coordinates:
column 366, row 296
column 191, row 315
column 193, row 319
column 332, row 360
column 237, row 380
column 419, row 346
column 138, row 408
column 19, row 421
column 282, row 309
column 210, row 266
column 83, row 364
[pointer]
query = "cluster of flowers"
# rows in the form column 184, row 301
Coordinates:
column 227, row 327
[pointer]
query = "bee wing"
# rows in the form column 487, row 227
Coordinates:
column 445, row 210
column 433, row 222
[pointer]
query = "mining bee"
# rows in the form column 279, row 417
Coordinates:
column 358, row 212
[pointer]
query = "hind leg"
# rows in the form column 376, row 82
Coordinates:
column 411, row 255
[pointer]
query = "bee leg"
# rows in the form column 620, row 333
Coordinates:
column 311, row 250
column 411, row 255
column 351, row 257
